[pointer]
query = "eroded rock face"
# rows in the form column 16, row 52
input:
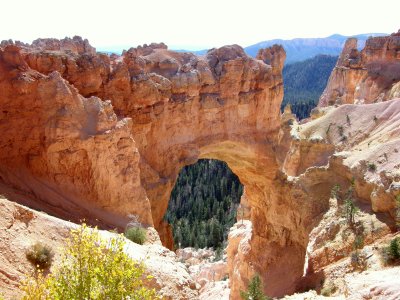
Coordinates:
column 238, row 248
column 224, row 105
column 84, row 157
column 71, row 156
column 367, row 76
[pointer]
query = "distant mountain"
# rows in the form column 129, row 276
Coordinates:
column 300, row 49
column 304, row 82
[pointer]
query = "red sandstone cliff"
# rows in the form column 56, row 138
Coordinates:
column 68, row 155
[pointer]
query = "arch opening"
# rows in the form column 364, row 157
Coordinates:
column 203, row 205
column 275, row 246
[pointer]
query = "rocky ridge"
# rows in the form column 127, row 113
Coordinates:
column 76, row 156
column 367, row 76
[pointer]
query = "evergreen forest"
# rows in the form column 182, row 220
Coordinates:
column 203, row 204
column 304, row 82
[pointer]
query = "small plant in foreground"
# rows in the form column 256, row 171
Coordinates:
column 40, row 255
column 391, row 253
column 335, row 191
column 358, row 242
column 135, row 231
column 358, row 258
column 92, row 267
column 254, row 290
column 328, row 290
column 136, row 235
column 394, row 248
column 371, row 167
column 35, row 287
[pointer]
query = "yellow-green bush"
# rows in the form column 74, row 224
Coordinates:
column 91, row 268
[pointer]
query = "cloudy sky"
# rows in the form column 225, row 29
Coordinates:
column 194, row 24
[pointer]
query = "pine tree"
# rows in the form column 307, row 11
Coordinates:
column 304, row 83
column 254, row 290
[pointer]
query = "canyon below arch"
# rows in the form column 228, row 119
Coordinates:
column 98, row 137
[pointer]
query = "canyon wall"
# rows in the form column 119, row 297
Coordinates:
column 70, row 154
column 366, row 76
column 101, row 137
column 224, row 105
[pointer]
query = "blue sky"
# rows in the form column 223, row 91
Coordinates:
column 194, row 24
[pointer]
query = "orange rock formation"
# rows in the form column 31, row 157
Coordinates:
column 366, row 76
column 71, row 154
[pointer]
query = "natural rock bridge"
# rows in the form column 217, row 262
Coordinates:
column 69, row 153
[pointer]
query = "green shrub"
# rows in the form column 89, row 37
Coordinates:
column 254, row 290
column 40, row 255
column 328, row 290
column 91, row 268
column 358, row 242
column 136, row 235
column 391, row 253
column 394, row 250
column 371, row 167
column 335, row 191
column 350, row 210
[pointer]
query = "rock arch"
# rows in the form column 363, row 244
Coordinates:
column 223, row 106
column 80, row 162
column 75, row 156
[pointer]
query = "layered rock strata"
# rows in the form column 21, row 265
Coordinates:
column 68, row 155
column 76, row 156
column 366, row 76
